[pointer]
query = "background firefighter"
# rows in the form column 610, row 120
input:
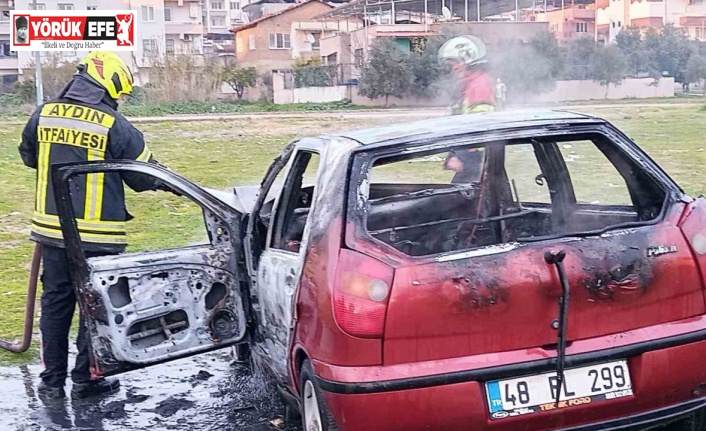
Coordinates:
column 466, row 56
column 82, row 124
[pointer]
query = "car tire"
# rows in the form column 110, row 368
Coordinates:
column 315, row 414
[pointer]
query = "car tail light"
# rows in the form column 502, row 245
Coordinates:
column 361, row 294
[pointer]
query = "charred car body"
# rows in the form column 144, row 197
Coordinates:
column 563, row 288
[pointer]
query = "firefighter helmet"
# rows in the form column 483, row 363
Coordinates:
column 109, row 71
column 468, row 49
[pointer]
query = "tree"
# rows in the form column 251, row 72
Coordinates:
column 56, row 73
column 608, row 66
column 578, row 54
column 546, row 45
column 629, row 40
column 524, row 70
column 311, row 73
column 425, row 68
column 239, row 78
column 668, row 51
column 696, row 69
column 387, row 71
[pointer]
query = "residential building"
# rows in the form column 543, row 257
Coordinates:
column 219, row 16
column 258, row 9
column 306, row 35
column 571, row 22
column 266, row 43
column 614, row 15
column 183, row 27
column 9, row 65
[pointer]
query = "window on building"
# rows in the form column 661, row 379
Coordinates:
column 216, row 5
column 613, row 24
column 280, row 41
column 147, row 14
column 194, row 11
column 91, row 7
column 619, row 24
column 359, row 58
column 251, row 42
column 235, row 5
column 218, row 21
column 167, row 14
column 169, row 46
column 5, row 50
column 66, row 6
column 38, row 6
column 149, row 46
column 699, row 34
column 581, row 27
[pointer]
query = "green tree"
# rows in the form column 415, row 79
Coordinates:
column 629, row 40
column 524, row 70
column 387, row 71
column 311, row 73
column 239, row 78
column 578, row 54
column 696, row 70
column 608, row 66
column 668, row 51
column 546, row 45
column 426, row 69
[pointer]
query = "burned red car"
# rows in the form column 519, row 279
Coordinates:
column 507, row 271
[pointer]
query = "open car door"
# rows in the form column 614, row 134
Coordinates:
column 152, row 307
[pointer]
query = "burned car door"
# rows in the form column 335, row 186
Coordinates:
column 151, row 307
column 280, row 259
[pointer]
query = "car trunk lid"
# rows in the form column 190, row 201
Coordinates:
column 506, row 297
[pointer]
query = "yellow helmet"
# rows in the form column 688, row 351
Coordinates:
column 109, row 70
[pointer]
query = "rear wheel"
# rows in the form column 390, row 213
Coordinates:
column 315, row 413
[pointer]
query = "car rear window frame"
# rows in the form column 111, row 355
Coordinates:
column 364, row 158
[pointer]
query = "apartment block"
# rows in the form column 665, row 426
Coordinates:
column 614, row 15
column 9, row 65
column 572, row 22
column 182, row 27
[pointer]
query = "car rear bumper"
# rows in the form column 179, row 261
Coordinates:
column 668, row 376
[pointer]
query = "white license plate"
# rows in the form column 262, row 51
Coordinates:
column 537, row 393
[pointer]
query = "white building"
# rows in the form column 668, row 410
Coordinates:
column 614, row 15
column 9, row 65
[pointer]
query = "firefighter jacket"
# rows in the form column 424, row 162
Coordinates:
column 83, row 124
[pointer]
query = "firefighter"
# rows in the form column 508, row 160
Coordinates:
column 466, row 57
column 82, row 124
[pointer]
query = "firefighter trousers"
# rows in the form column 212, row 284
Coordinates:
column 58, row 304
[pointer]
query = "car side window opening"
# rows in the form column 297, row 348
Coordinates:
column 295, row 202
column 520, row 190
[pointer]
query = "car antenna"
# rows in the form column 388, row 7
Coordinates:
column 557, row 259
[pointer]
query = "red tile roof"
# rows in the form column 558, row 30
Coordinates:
column 272, row 15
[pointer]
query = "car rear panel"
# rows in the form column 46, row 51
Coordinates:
column 661, row 378
column 497, row 300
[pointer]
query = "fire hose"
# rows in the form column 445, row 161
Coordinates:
column 29, row 307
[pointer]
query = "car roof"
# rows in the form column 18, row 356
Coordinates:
column 461, row 124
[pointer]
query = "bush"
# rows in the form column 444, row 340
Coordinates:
column 183, row 78
column 193, row 108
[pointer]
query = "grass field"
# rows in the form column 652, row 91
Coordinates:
column 223, row 154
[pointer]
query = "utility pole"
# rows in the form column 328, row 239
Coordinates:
column 38, row 70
